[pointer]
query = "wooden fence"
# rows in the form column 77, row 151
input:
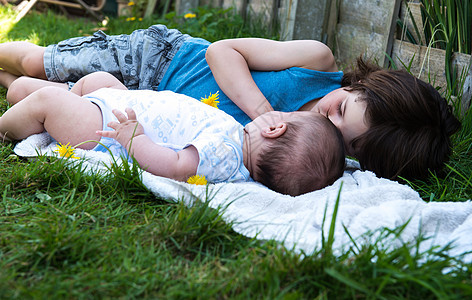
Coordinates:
column 351, row 28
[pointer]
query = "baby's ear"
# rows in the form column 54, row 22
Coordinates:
column 273, row 132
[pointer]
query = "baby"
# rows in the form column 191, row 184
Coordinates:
column 175, row 136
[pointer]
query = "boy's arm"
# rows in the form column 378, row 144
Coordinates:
column 231, row 61
column 151, row 157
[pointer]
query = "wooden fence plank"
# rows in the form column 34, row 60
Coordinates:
column 287, row 17
column 467, row 92
column 365, row 27
column 425, row 62
column 406, row 12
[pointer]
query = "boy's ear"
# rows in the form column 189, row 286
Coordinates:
column 273, row 132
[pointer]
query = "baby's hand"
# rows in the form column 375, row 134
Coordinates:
column 126, row 128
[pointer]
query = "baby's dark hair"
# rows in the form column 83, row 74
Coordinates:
column 307, row 157
column 410, row 124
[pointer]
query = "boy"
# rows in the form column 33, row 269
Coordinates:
column 175, row 136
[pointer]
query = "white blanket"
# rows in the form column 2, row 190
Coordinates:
column 367, row 205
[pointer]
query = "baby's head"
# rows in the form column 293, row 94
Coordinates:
column 297, row 152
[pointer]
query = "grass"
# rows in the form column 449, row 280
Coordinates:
column 68, row 234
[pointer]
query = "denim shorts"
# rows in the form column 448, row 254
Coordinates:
column 139, row 60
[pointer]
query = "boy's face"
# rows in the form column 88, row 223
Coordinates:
column 346, row 112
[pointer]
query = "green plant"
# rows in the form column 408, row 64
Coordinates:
column 447, row 25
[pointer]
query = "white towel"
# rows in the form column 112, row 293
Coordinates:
column 367, row 205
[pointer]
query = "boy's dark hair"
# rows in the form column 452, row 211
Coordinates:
column 307, row 157
column 410, row 124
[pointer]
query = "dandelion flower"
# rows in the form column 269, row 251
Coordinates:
column 65, row 151
column 131, row 3
column 190, row 16
column 212, row 99
column 130, row 19
column 197, row 179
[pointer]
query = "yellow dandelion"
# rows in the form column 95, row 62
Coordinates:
column 212, row 99
column 190, row 16
column 131, row 3
column 197, row 179
column 140, row 19
column 65, row 151
column 130, row 19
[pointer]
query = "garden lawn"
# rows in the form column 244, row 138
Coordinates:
column 68, row 234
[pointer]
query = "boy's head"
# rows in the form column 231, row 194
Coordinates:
column 409, row 123
column 294, row 153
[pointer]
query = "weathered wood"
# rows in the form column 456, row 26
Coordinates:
column 330, row 23
column 309, row 19
column 391, row 32
column 287, row 16
column 408, row 10
column 274, row 16
column 89, row 9
column 63, row 3
column 364, row 28
column 467, row 91
column 151, row 5
column 370, row 15
column 26, row 8
column 261, row 10
column 428, row 63
column 185, row 6
column 352, row 42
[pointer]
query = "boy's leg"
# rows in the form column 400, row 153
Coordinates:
column 23, row 86
column 67, row 117
column 139, row 59
column 22, row 58
column 20, row 87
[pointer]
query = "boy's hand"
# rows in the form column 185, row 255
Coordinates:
column 126, row 128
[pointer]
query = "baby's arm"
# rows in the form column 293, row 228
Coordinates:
column 231, row 61
column 151, row 157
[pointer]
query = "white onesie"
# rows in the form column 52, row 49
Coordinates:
column 177, row 121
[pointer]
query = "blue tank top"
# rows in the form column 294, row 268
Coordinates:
column 286, row 90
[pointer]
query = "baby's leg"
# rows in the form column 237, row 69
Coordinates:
column 68, row 118
column 6, row 79
column 22, row 58
column 20, row 87
column 95, row 81
column 23, row 86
